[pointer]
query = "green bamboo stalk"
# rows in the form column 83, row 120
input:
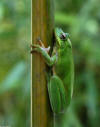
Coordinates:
column 42, row 26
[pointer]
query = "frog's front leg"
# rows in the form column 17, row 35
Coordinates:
column 44, row 52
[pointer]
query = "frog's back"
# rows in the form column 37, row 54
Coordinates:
column 64, row 64
column 64, row 68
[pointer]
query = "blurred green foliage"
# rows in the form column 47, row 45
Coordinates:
column 15, row 34
column 80, row 18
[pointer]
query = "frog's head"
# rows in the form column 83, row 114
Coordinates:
column 62, row 39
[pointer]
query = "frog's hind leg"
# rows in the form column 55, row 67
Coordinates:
column 57, row 94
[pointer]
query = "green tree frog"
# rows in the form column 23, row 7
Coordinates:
column 60, row 83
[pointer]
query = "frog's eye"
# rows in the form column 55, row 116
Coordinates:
column 63, row 36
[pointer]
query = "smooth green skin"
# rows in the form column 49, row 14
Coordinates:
column 60, row 84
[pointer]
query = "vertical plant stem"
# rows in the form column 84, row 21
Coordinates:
column 59, row 120
column 42, row 27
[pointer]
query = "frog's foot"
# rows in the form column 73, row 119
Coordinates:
column 47, row 49
column 39, row 46
column 40, row 42
column 34, row 48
